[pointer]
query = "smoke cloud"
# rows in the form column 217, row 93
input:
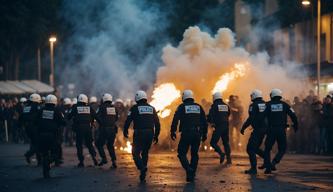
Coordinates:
column 114, row 47
column 200, row 60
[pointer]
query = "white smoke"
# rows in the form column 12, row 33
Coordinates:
column 200, row 60
column 114, row 47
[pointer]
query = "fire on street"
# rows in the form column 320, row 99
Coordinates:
column 295, row 173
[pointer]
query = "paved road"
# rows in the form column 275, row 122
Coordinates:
column 296, row 173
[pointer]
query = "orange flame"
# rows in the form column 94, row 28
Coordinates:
column 221, row 85
column 163, row 96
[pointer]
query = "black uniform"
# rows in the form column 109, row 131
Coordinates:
column 108, row 117
column 257, row 119
column 219, row 116
column 83, row 117
column 145, row 119
column 49, row 122
column 277, row 112
column 68, row 131
column 28, row 120
column 193, row 128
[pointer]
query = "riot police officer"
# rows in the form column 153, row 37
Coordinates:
column 193, row 128
column 277, row 112
column 68, row 132
column 218, row 116
column 145, row 119
column 83, row 117
column 107, row 130
column 49, row 121
column 256, row 119
column 27, row 120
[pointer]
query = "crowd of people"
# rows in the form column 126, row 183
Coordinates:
column 313, row 114
column 78, row 119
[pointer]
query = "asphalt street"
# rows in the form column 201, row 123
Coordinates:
column 295, row 173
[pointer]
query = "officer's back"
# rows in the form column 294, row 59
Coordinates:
column 107, row 114
column 219, row 113
column 83, row 115
column 143, row 116
column 257, row 111
column 277, row 113
column 191, row 117
column 49, row 119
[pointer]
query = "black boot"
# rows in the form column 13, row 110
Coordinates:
column 229, row 160
column 268, row 170
column 189, row 175
column 114, row 165
column 80, row 165
column 251, row 171
column 222, row 157
column 143, row 175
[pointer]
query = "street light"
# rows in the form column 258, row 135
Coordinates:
column 52, row 41
column 307, row 3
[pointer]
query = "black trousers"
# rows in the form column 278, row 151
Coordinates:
column 276, row 134
column 106, row 136
column 253, row 147
column 187, row 140
column 223, row 133
column 84, row 136
column 33, row 149
column 47, row 146
column 142, row 140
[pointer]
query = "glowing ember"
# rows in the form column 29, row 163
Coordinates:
column 237, row 71
column 163, row 96
column 128, row 147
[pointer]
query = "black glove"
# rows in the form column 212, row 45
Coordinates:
column 204, row 138
column 125, row 134
column 155, row 140
column 173, row 136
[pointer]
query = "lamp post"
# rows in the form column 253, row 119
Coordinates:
column 52, row 41
column 307, row 3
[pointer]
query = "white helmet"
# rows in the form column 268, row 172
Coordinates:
column 35, row 98
column 107, row 97
column 74, row 101
column 93, row 99
column 82, row 98
column 276, row 93
column 140, row 95
column 67, row 101
column 217, row 95
column 256, row 94
column 23, row 99
column 51, row 99
column 187, row 94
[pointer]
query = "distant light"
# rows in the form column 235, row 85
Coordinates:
column 306, row 2
column 53, row 39
column 330, row 87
